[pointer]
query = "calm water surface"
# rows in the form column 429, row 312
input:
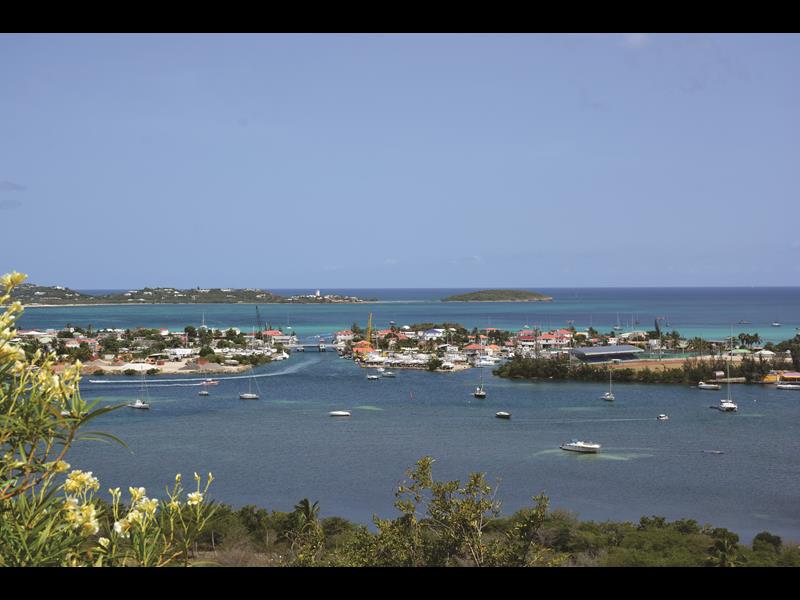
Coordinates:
column 281, row 448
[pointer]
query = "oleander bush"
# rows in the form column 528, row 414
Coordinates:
column 50, row 514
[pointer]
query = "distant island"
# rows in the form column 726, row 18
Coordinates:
column 31, row 294
column 499, row 296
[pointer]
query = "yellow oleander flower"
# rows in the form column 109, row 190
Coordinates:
column 136, row 493
column 122, row 528
column 78, row 482
column 147, row 505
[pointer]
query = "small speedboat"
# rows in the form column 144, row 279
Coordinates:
column 787, row 386
column 210, row 382
column 581, row 446
column 380, row 369
column 707, row 386
column 139, row 404
column 662, row 417
column 339, row 413
column 248, row 396
column 373, row 377
column 502, row 415
column 202, row 393
column 389, row 374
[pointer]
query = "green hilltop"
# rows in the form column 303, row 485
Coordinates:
column 498, row 296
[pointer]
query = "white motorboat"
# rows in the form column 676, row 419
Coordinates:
column 502, row 415
column 389, row 374
column 373, row 377
column 662, row 417
column 248, row 396
column 202, row 393
column 787, row 386
column 707, row 386
column 139, row 404
column 776, row 324
column 339, row 413
column 380, row 369
column 581, row 446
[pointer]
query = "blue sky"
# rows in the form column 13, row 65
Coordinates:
column 400, row 160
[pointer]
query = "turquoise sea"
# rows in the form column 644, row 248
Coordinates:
column 281, row 448
column 705, row 312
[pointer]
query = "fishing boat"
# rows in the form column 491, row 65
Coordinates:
column 339, row 413
column 581, row 446
column 502, row 415
column 707, row 386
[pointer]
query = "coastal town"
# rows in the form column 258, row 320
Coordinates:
column 436, row 347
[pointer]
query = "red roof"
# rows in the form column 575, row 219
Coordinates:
column 273, row 332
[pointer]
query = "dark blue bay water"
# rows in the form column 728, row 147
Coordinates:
column 281, row 448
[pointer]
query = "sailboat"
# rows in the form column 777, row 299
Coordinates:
column 479, row 391
column 140, row 403
column 249, row 395
column 609, row 395
column 617, row 327
column 727, row 404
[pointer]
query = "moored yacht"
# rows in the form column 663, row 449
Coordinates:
column 339, row 413
column 787, row 386
column 139, row 404
column 662, row 417
column 707, row 386
column 581, row 446
column 502, row 415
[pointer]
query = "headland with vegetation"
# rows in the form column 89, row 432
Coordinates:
column 499, row 296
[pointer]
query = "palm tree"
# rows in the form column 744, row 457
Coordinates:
column 306, row 513
column 725, row 551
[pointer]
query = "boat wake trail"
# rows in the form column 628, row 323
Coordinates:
column 182, row 381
